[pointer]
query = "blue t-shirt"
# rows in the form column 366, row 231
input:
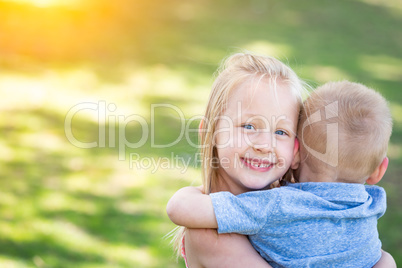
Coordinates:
column 309, row 224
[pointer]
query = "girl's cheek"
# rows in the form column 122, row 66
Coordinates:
column 252, row 138
column 285, row 147
column 224, row 139
column 241, row 139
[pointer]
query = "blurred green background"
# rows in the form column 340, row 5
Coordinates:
column 92, row 71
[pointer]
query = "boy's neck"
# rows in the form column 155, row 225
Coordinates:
column 304, row 174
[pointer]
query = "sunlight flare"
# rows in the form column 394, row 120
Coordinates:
column 47, row 3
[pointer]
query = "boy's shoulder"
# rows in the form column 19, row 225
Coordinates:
column 332, row 191
column 320, row 191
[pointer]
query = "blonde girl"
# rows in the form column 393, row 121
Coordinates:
column 238, row 69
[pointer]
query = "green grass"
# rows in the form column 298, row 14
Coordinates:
column 63, row 206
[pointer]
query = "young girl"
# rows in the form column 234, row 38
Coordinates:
column 248, row 143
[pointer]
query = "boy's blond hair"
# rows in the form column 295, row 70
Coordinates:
column 344, row 128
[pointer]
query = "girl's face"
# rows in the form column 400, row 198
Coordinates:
column 255, row 136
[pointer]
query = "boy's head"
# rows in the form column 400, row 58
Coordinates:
column 344, row 130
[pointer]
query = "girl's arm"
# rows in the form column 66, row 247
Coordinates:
column 191, row 208
column 386, row 261
column 205, row 248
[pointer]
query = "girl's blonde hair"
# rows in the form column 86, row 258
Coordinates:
column 233, row 71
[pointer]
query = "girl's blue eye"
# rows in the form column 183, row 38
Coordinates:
column 248, row 126
column 280, row 132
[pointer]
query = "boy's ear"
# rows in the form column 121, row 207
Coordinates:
column 379, row 172
column 296, row 155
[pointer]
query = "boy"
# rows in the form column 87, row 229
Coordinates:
column 329, row 219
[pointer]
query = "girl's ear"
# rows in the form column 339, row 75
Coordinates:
column 296, row 155
column 379, row 172
column 296, row 148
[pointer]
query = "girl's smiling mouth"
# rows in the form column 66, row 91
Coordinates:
column 257, row 164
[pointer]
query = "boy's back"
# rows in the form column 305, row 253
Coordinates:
column 307, row 224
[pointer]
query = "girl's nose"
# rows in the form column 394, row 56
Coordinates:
column 263, row 142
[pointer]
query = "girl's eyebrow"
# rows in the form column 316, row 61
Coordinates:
column 280, row 120
column 259, row 116
column 250, row 115
column 287, row 123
